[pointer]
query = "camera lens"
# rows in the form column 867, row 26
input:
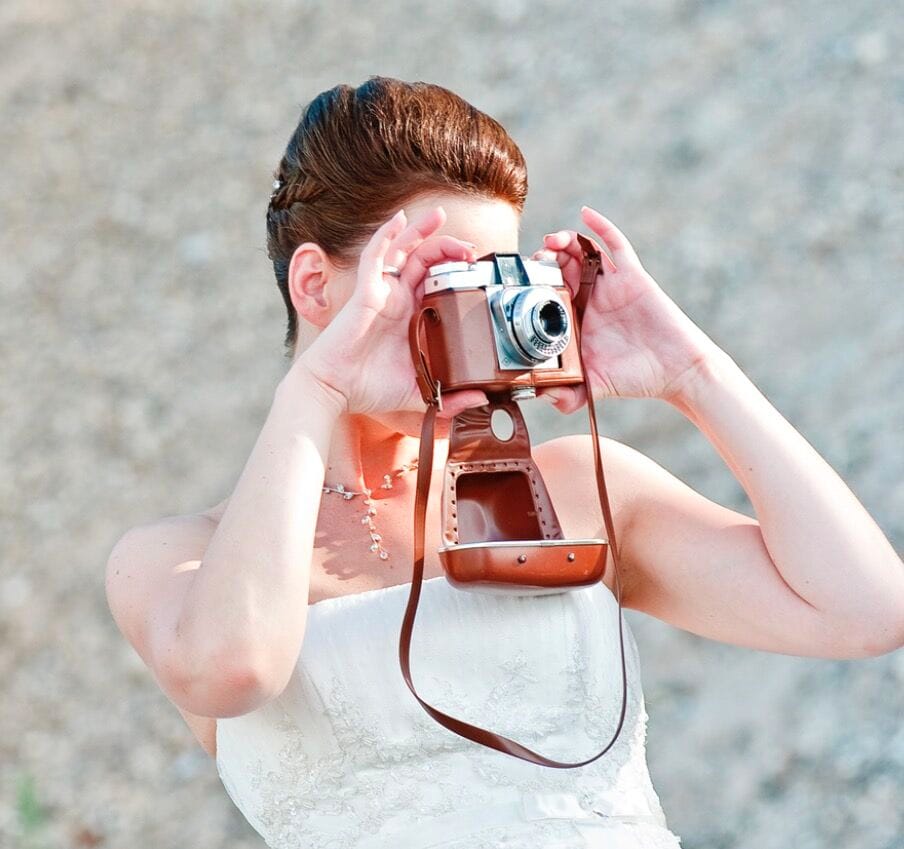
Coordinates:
column 550, row 321
column 539, row 323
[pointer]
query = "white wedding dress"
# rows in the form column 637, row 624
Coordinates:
column 346, row 758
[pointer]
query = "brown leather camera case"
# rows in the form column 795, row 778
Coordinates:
column 500, row 529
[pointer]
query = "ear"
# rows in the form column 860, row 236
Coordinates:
column 309, row 272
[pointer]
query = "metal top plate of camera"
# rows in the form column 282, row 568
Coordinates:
column 477, row 275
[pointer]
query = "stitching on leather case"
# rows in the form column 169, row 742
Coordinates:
column 523, row 465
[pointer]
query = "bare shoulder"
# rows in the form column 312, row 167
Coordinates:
column 143, row 560
column 567, row 462
column 147, row 574
column 567, row 466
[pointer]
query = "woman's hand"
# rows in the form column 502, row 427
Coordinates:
column 362, row 358
column 636, row 341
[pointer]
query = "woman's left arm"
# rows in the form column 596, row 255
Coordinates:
column 814, row 574
column 821, row 540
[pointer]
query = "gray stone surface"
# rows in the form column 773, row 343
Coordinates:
column 750, row 150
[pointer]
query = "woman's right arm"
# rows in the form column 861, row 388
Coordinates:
column 218, row 612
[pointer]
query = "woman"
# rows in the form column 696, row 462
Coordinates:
column 271, row 620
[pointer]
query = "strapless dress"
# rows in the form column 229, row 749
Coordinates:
column 346, row 758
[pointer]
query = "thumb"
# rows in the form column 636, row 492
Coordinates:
column 456, row 402
column 566, row 399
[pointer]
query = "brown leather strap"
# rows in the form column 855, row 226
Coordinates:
column 589, row 271
column 425, row 469
column 425, row 381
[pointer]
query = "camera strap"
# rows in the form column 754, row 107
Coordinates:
column 590, row 269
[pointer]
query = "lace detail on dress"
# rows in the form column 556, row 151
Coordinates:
column 591, row 706
column 329, row 766
column 565, row 835
column 366, row 799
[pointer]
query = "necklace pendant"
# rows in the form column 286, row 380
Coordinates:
column 347, row 494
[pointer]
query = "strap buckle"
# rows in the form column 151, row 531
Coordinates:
column 431, row 391
column 591, row 268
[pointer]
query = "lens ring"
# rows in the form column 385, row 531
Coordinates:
column 535, row 346
column 550, row 321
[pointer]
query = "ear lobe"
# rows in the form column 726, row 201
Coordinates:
column 308, row 276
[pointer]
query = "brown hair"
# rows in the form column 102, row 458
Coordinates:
column 359, row 154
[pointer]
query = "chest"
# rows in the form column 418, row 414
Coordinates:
column 343, row 562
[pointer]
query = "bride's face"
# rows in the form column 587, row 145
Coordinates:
column 490, row 224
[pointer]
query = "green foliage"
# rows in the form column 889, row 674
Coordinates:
column 30, row 813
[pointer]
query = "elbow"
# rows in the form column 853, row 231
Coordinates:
column 224, row 685
column 877, row 628
column 887, row 633
column 883, row 637
column 885, row 642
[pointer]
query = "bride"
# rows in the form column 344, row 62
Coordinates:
column 271, row 619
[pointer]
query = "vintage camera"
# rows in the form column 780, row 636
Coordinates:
column 506, row 325
column 502, row 323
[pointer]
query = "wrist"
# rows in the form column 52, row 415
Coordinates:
column 302, row 383
column 701, row 381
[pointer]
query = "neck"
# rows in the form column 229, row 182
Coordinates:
column 362, row 450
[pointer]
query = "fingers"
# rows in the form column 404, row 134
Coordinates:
column 614, row 239
column 565, row 242
column 433, row 251
column 394, row 241
column 567, row 250
column 413, row 235
column 563, row 247
column 413, row 250
column 374, row 252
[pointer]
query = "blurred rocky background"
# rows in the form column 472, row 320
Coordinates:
column 750, row 149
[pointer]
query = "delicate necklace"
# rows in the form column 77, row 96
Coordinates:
column 376, row 544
